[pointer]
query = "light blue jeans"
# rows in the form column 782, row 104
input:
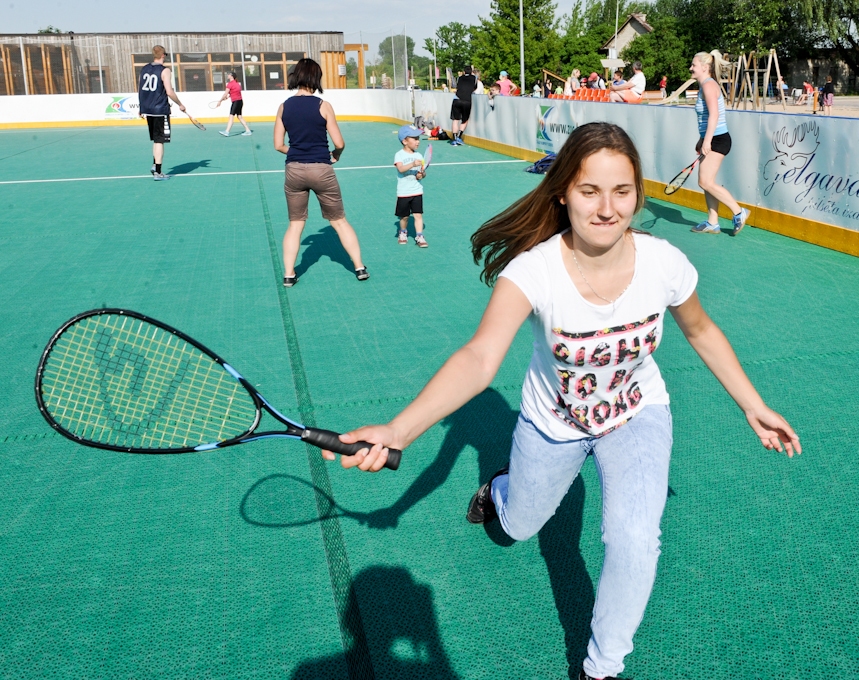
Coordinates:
column 632, row 464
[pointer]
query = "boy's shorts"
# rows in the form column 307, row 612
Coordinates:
column 159, row 129
column 409, row 205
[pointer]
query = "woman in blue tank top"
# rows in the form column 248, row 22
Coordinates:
column 308, row 121
column 715, row 144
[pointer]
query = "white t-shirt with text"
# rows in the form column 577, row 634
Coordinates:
column 407, row 182
column 592, row 367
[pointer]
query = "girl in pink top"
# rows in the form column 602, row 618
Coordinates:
column 234, row 92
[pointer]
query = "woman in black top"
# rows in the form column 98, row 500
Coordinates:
column 308, row 120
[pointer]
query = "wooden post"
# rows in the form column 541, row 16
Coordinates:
column 778, row 73
column 360, row 48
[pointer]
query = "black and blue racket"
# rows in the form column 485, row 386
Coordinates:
column 118, row 380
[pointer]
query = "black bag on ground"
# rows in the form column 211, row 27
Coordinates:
column 542, row 165
column 442, row 135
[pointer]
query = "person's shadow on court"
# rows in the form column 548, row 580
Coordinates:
column 394, row 636
column 486, row 423
column 186, row 168
column 323, row 243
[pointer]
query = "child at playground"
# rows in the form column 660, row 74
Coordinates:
column 233, row 90
column 410, row 192
column 595, row 293
column 828, row 96
column 663, row 86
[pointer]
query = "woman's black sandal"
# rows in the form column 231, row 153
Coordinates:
column 362, row 274
column 290, row 281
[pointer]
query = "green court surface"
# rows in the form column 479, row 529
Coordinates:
column 217, row 565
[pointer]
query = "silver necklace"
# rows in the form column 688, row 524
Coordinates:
column 585, row 279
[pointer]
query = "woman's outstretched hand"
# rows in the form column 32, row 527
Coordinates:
column 369, row 460
column 774, row 431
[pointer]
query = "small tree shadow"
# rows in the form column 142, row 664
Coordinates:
column 325, row 243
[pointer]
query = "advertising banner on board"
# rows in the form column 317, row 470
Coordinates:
column 123, row 107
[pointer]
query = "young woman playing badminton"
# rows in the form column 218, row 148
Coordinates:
column 308, row 121
column 715, row 144
column 595, row 292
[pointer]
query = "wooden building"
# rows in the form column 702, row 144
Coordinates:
column 70, row 63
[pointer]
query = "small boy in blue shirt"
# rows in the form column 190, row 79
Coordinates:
column 410, row 193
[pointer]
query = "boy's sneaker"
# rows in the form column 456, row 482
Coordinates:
column 706, row 228
column 481, row 509
column 420, row 241
column 739, row 221
column 585, row 676
column 159, row 176
column 247, row 133
column 403, row 238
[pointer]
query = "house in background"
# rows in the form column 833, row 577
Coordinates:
column 634, row 26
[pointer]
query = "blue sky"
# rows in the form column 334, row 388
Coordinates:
column 375, row 18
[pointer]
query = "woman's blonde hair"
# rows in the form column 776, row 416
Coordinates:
column 713, row 61
column 539, row 215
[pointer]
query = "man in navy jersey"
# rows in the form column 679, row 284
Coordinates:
column 153, row 90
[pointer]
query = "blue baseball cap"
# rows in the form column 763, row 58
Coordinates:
column 409, row 131
column 503, row 73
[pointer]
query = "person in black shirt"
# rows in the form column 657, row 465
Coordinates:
column 828, row 96
column 460, row 110
column 154, row 89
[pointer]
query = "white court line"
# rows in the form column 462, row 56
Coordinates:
column 238, row 172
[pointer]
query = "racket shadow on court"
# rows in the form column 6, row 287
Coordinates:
column 188, row 168
column 397, row 633
column 662, row 212
column 323, row 243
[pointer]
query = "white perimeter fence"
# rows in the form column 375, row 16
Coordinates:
column 798, row 165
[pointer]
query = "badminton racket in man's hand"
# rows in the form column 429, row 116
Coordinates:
column 115, row 379
column 682, row 176
column 196, row 122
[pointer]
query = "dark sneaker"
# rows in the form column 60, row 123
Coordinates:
column 481, row 509
column 585, row 676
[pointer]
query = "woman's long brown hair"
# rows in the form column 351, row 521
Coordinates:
column 539, row 215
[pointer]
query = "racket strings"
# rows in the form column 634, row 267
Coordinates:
column 120, row 381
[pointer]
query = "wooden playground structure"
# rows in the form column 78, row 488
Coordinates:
column 745, row 81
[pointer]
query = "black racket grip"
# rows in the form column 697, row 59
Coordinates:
column 326, row 439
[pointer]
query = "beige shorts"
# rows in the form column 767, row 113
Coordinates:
column 302, row 178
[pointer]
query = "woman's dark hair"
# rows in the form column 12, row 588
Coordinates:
column 539, row 215
column 233, row 74
column 307, row 75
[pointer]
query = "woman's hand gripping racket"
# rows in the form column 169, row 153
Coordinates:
column 118, row 380
column 216, row 104
column 682, row 176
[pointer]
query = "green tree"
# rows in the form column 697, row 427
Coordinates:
column 50, row 29
column 451, row 46
column 838, row 21
column 495, row 42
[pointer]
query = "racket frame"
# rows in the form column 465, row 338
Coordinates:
column 294, row 429
column 427, row 161
column 683, row 175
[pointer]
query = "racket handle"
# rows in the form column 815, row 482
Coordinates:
column 326, row 439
